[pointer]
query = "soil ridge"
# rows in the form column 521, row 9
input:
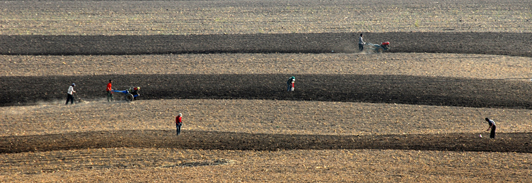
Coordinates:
column 516, row 44
column 401, row 89
column 214, row 140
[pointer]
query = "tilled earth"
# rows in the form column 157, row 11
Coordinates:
column 390, row 126
column 345, row 87
column 496, row 92
column 211, row 140
column 431, row 42
column 442, row 91
column 402, row 89
column 342, row 165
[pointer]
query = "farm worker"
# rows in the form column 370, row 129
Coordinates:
column 70, row 93
column 135, row 92
column 178, row 123
column 492, row 126
column 291, row 83
column 361, row 43
column 110, row 91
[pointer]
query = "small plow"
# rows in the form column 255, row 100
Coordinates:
column 379, row 48
column 130, row 94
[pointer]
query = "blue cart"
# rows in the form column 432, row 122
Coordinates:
column 130, row 94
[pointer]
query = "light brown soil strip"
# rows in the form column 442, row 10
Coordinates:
column 55, row 17
column 149, row 164
column 479, row 66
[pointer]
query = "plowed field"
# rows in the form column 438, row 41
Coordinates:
column 412, row 114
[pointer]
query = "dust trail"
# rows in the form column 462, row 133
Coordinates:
column 58, row 104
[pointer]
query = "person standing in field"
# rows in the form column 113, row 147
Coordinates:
column 361, row 43
column 110, row 91
column 178, row 123
column 291, row 83
column 492, row 127
column 70, row 92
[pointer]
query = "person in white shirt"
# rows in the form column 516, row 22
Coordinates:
column 361, row 43
column 70, row 92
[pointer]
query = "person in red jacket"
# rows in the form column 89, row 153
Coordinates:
column 178, row 123
column 109, row 91
column 290, row 83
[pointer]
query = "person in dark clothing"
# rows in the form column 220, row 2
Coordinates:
column 134, row 93
column 492, row 127
column 291, row 83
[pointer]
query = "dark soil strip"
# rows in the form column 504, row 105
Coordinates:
column 517, row 44
column 439, row 91
column 506, row 142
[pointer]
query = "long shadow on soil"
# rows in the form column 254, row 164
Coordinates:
column 434, row 42
column 439, row 91
column 505, row 142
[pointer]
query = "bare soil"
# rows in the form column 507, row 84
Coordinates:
column 344, row 88
column 177, row 165
column 401, row 116
column 177, row 17
column 212, row 140
column 472, row 66
column 432, row 42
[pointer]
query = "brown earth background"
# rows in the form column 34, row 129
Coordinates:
column 414, row 113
